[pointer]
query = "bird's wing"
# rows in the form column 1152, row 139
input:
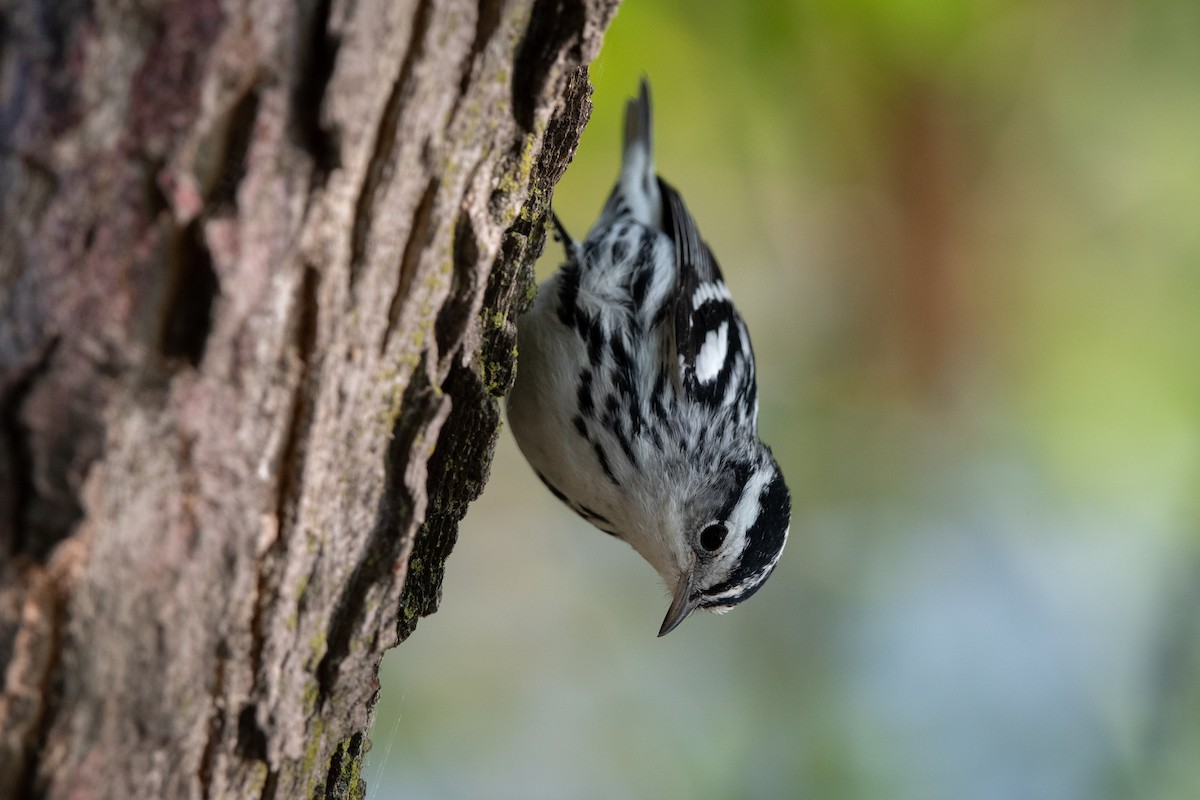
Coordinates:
column 714, row 358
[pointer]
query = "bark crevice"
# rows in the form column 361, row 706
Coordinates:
column 191, row 290
column 380, row 164
column 420, row 233
column 316, row 64
column 235, row 143
column 556, row 29
column 21, row 466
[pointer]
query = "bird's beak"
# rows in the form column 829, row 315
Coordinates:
column 682, row 604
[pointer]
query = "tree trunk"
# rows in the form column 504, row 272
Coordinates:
column 259, row 263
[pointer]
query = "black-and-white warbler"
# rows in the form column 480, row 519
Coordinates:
column 635, row 398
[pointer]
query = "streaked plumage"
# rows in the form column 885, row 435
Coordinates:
column 635, row 398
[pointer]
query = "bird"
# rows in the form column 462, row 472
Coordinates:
column 635, row 398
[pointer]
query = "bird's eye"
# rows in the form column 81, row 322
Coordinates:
column 712, row 537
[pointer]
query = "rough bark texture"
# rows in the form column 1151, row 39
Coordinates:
column 258, row 265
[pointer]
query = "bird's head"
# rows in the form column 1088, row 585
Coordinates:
column 729, row 531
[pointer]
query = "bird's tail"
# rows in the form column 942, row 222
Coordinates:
column 638, row 181
column 636, row 192
column 638, row 152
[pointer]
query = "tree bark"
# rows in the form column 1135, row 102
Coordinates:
column 259, row 263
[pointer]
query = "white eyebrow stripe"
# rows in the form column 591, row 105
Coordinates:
column 749, row 504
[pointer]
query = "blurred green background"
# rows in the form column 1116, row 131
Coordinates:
column 966, row 238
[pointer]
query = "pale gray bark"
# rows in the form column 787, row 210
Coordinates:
column 258, row 268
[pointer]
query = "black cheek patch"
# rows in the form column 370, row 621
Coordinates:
column 764, row 540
